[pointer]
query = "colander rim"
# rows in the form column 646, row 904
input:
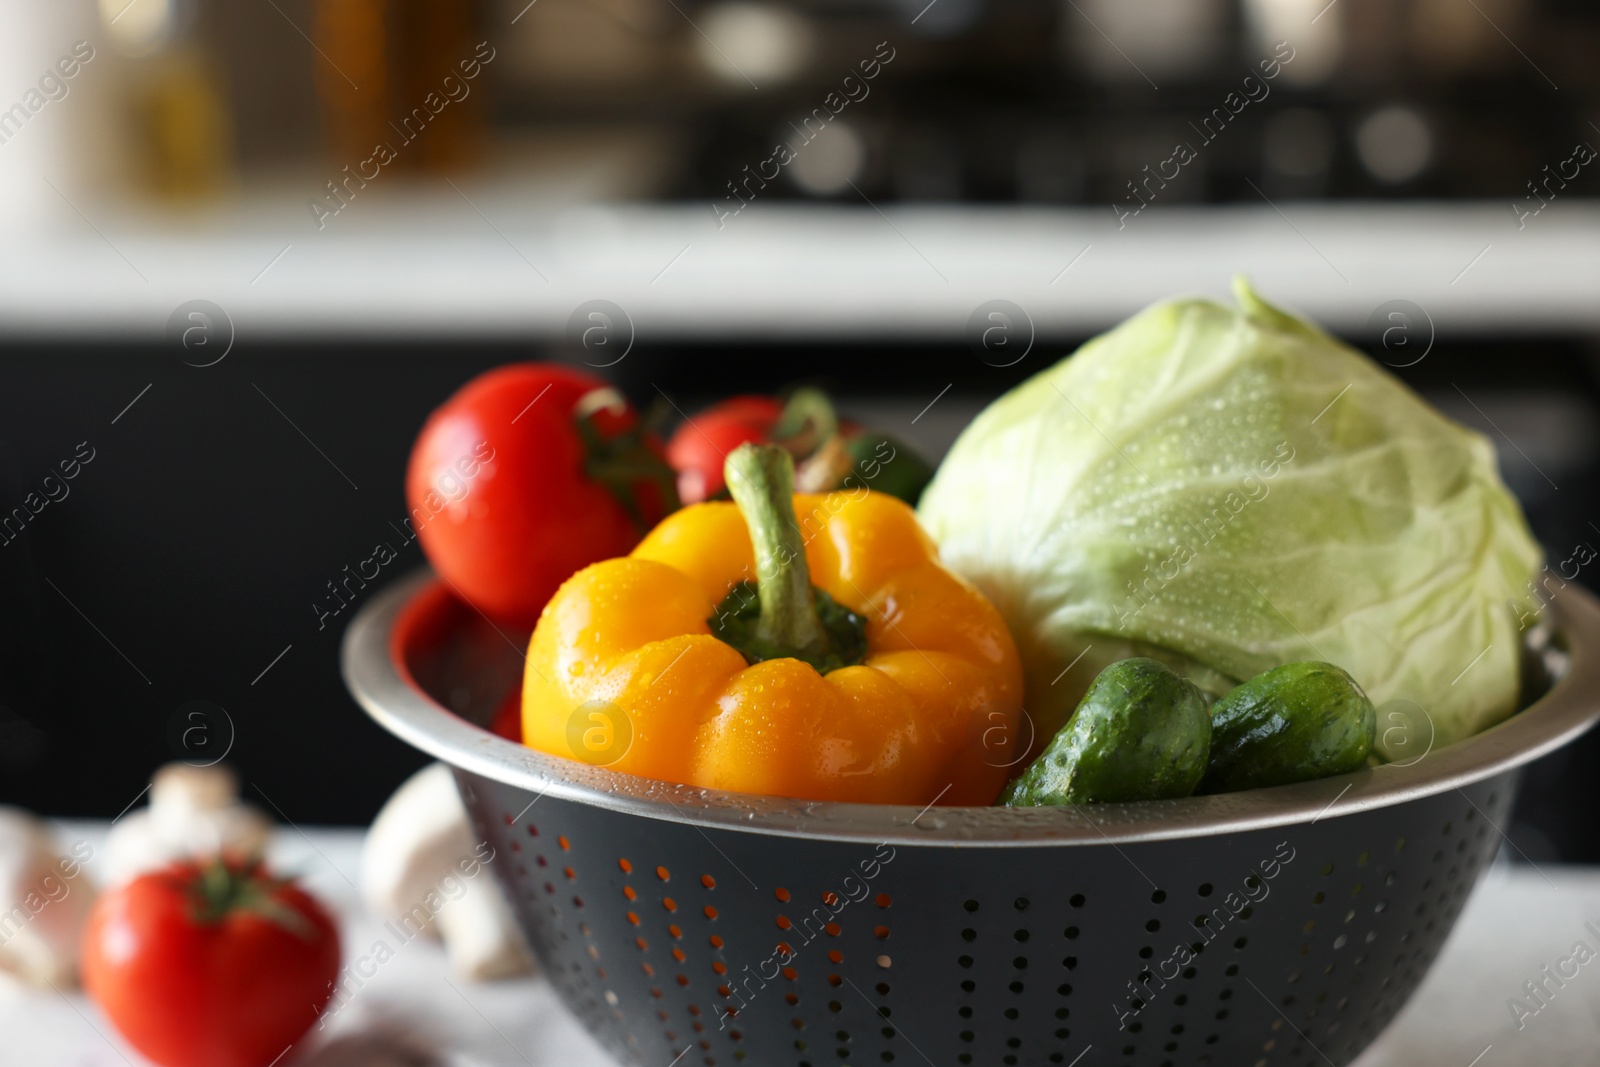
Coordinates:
column 382, row 684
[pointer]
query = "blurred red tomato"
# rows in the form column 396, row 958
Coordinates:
column 526, row 475
column 701, row 445
column 507, row 720
column 211, row 964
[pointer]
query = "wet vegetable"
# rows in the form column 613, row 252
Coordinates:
column 1294, row 723
column 784, row 644
column 1140, row 733
column 1241, row 490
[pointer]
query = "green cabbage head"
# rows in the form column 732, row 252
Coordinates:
column 1233, row 490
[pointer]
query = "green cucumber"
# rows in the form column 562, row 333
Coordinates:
column 1293, row 723
column 1141, row 732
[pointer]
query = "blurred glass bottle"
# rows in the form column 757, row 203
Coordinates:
column 385, row 59
column 40, row 165
column 176, row 126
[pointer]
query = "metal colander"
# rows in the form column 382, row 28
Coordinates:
column 684, row 926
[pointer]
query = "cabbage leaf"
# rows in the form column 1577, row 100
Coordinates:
column 1230, row 491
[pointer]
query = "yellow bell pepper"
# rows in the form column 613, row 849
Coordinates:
column 707, row 657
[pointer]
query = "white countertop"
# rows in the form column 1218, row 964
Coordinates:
column 488, row 259
column 1519, row 920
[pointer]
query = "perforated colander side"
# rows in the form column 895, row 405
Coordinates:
column 652, row 930
column 936, row 971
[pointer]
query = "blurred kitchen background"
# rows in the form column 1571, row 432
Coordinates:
column 246, row 247
column 198, row 104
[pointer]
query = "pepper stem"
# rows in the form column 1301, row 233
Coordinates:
column 761, row 480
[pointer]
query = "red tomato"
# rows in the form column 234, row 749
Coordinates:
column 525, row 476
column 507, row 720
column 210, row 964
column 701, row 445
